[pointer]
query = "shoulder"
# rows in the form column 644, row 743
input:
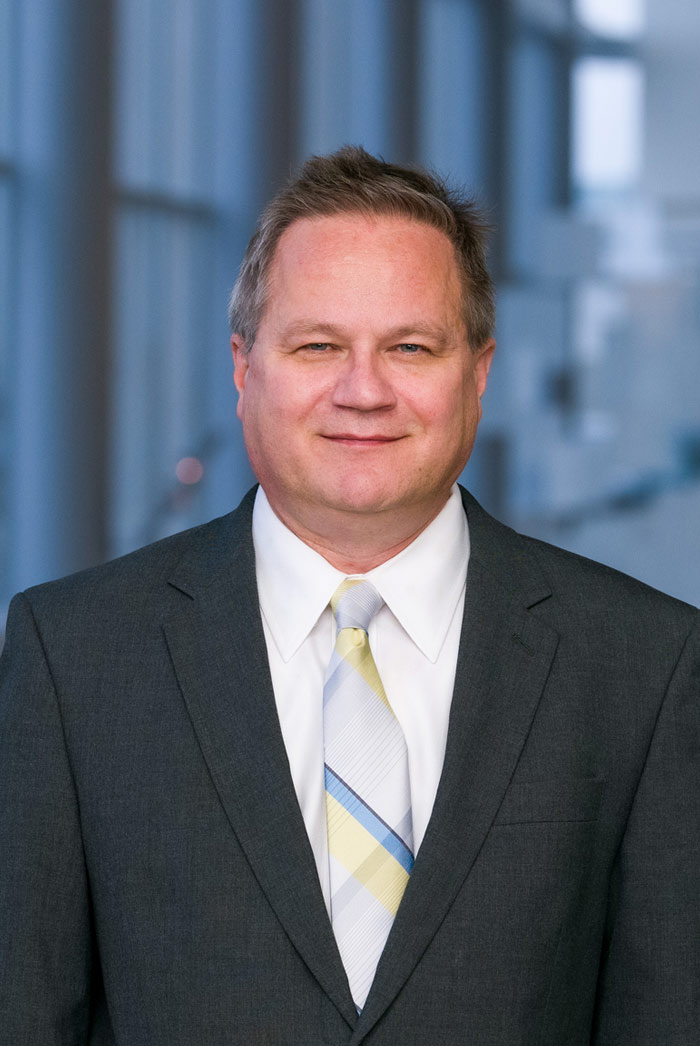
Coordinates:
column 588, row 589
column 135, row 582
column 571, row 588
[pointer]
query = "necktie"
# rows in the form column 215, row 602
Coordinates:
column 368, row 800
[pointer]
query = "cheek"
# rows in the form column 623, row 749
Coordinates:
column 445, row 410
column 273, row 411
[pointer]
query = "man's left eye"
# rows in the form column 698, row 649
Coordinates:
column 410, row 349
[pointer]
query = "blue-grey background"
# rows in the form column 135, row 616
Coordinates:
column 138, row 141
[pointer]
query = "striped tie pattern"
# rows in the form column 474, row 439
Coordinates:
column 368, row 800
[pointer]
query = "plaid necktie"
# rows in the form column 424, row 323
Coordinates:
column 368, row 800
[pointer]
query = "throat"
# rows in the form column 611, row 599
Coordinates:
column 357, row 543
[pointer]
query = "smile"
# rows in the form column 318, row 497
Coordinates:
column 349, row 439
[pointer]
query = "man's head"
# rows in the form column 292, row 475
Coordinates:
column 351, row 181
column 359, row 385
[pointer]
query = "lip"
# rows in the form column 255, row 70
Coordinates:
column 351, row 439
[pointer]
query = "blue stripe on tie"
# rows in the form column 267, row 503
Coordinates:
column 381, row 831
column 338, row 674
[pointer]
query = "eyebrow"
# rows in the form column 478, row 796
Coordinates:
column 309, row 328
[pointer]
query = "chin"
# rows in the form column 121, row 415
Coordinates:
column 367, row 502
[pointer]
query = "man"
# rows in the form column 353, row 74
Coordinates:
column 356, row 763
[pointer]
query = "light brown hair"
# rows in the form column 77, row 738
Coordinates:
column 349, row 181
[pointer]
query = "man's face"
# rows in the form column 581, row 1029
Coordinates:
column 360, row 395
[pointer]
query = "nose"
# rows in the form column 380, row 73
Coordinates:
column 364, row 383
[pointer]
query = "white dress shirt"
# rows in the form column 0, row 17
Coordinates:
column 414, row 639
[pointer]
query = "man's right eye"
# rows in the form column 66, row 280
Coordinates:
column 316, row 346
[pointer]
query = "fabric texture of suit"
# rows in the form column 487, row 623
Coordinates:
column 157, row 886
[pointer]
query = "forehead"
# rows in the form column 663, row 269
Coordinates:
column 380, row 257
column 377, row 234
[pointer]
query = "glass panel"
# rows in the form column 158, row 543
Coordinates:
column 168, row 235
column 607, row 132
column 7, row 77
column 163, row 332
column 6, row 238
column 5, row 397
column 8, row 69
column 452, row 104
column 536, row 132
column 165, row 87
column 621, row 19
column 345, row 80
column 547, row 14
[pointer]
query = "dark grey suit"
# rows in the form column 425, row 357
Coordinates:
column 158, row 887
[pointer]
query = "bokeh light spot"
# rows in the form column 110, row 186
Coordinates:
column 189, row 470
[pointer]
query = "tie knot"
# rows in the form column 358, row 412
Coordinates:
column 354, row 603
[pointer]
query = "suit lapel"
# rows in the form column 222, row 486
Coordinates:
column 504, row 659
column 218, row 650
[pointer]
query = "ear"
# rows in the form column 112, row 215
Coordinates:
column 240, row 368
column 482, row 365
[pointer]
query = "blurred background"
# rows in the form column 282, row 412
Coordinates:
column 139, row 140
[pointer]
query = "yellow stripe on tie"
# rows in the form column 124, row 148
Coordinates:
column 365, row 757
column 359, row 656
column 366, row 859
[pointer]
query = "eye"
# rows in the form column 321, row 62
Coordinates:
column 316, row 346
column 408, row 348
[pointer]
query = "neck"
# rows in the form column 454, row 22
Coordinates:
column 355, row 544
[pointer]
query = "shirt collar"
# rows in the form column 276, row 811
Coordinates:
column 295, row 583
column 421, row 585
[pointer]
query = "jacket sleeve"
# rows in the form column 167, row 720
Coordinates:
column 45, row 949
column 649, row 984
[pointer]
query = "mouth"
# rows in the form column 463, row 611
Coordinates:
column 353, row 440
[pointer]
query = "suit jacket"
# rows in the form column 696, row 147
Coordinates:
column 158, row 886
